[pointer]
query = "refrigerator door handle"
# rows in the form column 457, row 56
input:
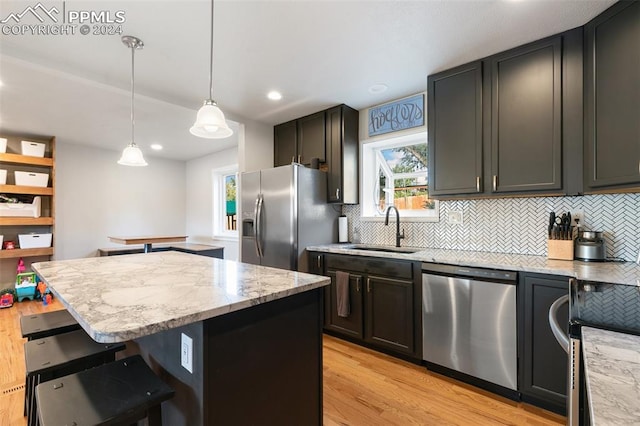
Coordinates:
column 256, row 212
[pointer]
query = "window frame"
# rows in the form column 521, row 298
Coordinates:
column 219, row 202
column 371, row 159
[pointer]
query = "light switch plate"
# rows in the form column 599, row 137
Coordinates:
column 454, row 216
column 186, row 353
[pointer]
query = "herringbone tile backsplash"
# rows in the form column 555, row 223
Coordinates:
column 512, row 225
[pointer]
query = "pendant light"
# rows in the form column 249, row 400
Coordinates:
column 131, row 155
column 210, row 122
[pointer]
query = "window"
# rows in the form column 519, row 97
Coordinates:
column 395, row 174
column 224, row 202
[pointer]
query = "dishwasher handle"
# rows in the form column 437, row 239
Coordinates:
column 556, row 329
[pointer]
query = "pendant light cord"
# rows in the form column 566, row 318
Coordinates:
column 211, row 58
column 133, row 86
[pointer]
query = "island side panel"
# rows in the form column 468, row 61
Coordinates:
column 264, row 363
column 162, row 353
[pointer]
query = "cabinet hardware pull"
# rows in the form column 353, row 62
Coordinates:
column 293, row 159
column 337, row 193
column 299, row 158
column 358, row 284
column 368, row 285
column 477, row 183
column 495, row 182
column 319, row 261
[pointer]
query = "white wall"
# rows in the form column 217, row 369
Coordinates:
column 255, row 149
column 97, row 198
column 199, row 200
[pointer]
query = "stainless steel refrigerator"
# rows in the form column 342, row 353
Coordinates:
column 282, row 211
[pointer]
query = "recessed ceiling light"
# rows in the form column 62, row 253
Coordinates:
column 378, row 88
column 274, row 96
column 156, row 147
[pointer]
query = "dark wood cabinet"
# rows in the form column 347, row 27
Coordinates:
column 510, row 123
column 543, row 369
column 350, row 325
column 299, row 140
column 612, row 98
column 331, row 136
column 384, row 299
column 455, row 130
column 389, row 313
column 285, row 141
column 342, row 155
column 311, row 138
column 526, row 144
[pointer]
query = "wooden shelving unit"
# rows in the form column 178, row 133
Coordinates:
column 12, row 226
column 30, row 190
column 26, row 221
column 16, row 253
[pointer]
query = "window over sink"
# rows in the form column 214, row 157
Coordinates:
column 394, row 172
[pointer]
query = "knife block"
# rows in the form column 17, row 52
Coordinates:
column 560, row 249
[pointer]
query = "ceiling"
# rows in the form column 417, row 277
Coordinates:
column 317, row 53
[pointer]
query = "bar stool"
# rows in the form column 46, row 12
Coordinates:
column 120, row 392
column 47, row 324
column 56, row 356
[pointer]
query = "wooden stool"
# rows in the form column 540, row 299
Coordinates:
column 56, row 356
column 47, row 324
column 118, row 393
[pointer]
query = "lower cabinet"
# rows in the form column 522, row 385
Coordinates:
column 384, row 300
column 543, row 372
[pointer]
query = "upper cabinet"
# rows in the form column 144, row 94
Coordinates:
column 331, row 136
column 526, row 118
column 455, row 130
column 612, row 99
column 300, row 140
column 342, row 154
column 509, row 124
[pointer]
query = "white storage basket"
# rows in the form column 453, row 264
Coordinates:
column 28, row 241
column 3, row 177
column 33, row 149
column 32, row 179
column 3, row 145
column 21, row 209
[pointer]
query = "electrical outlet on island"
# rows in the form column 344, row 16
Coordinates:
column 186, row 353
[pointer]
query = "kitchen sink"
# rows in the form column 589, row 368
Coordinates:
column 384, row 249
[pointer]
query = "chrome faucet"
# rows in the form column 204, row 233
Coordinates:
column 399, row 236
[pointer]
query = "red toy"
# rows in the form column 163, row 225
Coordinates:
column 21, row 268
column 6, row 300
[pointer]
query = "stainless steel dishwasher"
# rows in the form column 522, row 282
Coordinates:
column 469, row 322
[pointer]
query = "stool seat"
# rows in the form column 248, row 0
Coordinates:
column 120, row 392
column 59, row 355
column 47, row 324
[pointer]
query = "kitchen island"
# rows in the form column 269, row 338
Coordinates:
column 240, row 344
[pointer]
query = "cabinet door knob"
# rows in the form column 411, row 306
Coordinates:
column 495, row 182
column 477, row 183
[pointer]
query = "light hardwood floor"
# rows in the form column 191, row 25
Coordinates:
column 361, row 387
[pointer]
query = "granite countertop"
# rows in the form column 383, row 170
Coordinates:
column 627, row 273
column 612, row 368
column 120, row 298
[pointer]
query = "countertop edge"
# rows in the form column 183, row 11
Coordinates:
column 612, row 372
column 624, row 273
column 102, row 336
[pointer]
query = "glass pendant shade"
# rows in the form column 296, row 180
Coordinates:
column 210, row 122
column 132, row 156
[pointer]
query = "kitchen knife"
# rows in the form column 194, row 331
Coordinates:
column 552, row 222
